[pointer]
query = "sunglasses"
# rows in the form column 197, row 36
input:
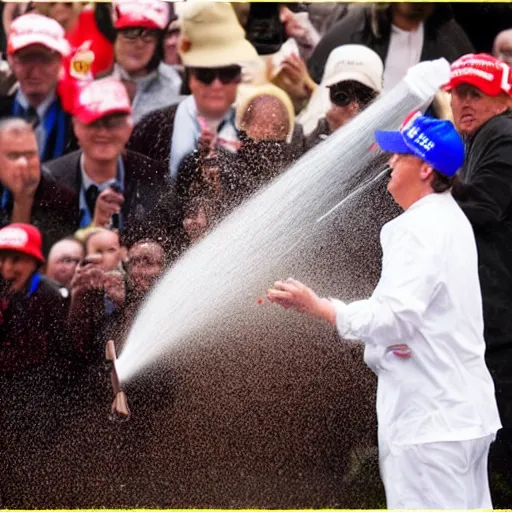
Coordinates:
column 227, row 75
column 340, row 98
column 146, row 34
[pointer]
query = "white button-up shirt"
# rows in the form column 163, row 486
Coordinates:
column 429, row 298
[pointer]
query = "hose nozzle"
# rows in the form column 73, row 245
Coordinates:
column 120, row 409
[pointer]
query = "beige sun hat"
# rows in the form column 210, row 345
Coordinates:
column 212, row 36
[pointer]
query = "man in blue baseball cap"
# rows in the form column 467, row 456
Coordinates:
column 423, row 330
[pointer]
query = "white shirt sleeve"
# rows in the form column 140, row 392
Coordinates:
column 409, row 281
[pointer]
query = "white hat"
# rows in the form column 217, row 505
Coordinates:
column 34, row 28
column 354, row 62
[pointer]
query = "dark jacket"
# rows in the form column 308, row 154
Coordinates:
column 70, row 142
column 53, row 205
column 152, row 135
column 31, row 327
column 485, row 195
column 150, row 209
column 371, row 26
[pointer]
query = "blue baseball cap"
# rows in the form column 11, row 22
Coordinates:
column 435, row 141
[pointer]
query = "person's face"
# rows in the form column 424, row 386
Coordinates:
column 504, row 48
column 18, row 154
column 62, row 12
column 62, row 261
column 105, row 138
column 268, row 119
column 105, row 244
column 195, row 223
column 214, row 89
column 472, row 108
column 145, row 265
column 414, row 11
column 171, row 55
column 37, row 69
column 134, row 48
column 405, row 176
column 17, row 268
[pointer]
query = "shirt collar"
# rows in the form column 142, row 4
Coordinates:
column 42, row 108
column 87, row 181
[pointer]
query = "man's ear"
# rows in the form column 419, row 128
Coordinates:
column 426, row 172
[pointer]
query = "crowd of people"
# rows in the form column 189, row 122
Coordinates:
column 128, row 130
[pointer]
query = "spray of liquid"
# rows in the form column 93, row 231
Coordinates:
column 216, row 284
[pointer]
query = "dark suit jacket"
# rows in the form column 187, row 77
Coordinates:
column 51, row 211
column 150, row 208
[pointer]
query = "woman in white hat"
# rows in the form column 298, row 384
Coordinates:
column 352, row 80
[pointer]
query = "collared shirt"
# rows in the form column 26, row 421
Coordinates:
column 41, row 110
column 86, row 216
column 428, row 297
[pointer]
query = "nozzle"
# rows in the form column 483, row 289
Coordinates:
column 120, row 409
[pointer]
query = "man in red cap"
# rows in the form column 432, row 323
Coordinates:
column 32, row 311
column 112, row 187
column 36, row 47
column 481, row 90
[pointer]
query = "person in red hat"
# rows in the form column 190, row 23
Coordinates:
column 89, row 32
column 36, row 49
column 481, row 96
column 32, row 311
column 114, row 188
column 138, row 48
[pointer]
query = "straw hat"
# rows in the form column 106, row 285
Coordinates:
column 213, row 37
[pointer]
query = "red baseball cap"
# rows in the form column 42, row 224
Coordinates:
column 151, row 14
column 101, row 98
column 23, row 238
column 32, row 29
column 490, row 75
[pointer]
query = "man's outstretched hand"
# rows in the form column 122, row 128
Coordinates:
column 292, row 294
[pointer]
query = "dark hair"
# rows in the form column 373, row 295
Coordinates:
column 158, row 55
column 441, row 183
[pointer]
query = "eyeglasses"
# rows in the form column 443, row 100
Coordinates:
column 146, row 34
column 227, row 75
column 111, row 122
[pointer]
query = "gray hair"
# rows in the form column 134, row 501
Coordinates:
column 17, row 125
